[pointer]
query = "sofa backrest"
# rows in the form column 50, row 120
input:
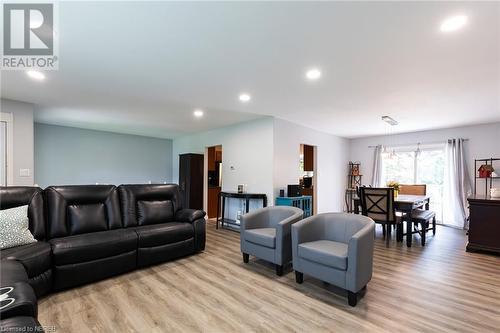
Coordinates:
column 148, row 204
column 15, row 196
column 79, row 209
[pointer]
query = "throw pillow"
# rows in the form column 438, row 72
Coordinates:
column 14, row 227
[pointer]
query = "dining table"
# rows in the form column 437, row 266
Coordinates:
column 405, row 204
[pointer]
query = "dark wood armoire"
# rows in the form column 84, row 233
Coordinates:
column 191, row 180
column 484, row 227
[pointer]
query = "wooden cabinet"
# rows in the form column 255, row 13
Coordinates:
column 211, row 159
column 308, row 158
column 191, row 180
column 484, row 227
column 213, row 195
column 214, row 156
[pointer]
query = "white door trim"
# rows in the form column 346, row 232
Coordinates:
column 9, row 119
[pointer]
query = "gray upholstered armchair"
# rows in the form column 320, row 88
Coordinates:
column 336, row 248
column 266, row 234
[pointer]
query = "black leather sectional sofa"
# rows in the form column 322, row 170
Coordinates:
column 88, row 233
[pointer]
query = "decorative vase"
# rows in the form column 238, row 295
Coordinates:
column 396, row 193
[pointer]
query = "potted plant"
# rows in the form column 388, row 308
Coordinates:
column 395, row 186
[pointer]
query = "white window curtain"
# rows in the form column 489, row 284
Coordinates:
column 377, row 167
column 457, row 185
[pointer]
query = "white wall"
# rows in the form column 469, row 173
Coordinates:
column 248, row 147
column 484, row 142
column 23, row 142
column 331, row 162
column 68, row 155
column 265, row 156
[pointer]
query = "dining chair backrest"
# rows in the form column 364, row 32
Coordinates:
column 378, row 203
column 413, row 189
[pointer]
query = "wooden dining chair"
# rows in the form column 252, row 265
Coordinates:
column 421, row 217
column 420, row 189
column 378, row 204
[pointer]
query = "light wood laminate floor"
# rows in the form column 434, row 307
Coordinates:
column 433, row 289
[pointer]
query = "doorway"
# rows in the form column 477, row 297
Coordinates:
column 307, row 173
column 214, row 179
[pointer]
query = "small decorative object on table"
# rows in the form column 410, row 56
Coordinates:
column 241, row 188
column 485, row 171
column 355, row 169
column 395, row 186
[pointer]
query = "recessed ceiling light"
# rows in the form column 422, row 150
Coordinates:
column 198, row 113
column 313, row 74
column 36, row 75
column 245, row 98
column 453, row 23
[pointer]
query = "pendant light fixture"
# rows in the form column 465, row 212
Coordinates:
column 391, row 122
column 418, row 151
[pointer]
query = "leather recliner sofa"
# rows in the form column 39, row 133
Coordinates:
column 87, row 233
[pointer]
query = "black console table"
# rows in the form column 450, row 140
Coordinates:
column 243, row 196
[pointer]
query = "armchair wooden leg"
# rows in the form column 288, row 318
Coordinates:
column 352, row 298
column 245, row 258
column 279, row 270
column 299, row 277
column 434, row 226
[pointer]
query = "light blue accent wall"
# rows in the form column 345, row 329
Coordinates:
column 68, row 155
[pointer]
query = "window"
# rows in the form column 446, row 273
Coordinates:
column 426, row 166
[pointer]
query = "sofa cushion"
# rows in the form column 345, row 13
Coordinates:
column 35, row 257
column 87, row 218
column 92, row 246
column 153, row 212
column 261, row 236
column 328, row 253
column 79, row 209
column 14, row 227
column 137, row 201
column 18, row 299
column 165, row 233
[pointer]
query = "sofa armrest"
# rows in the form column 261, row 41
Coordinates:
column 189, row 215
column 360, row 258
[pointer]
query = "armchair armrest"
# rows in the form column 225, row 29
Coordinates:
column 284, row 233
column 189, row 215
column 360, row 258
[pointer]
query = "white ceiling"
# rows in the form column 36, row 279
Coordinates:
column 142, row 68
